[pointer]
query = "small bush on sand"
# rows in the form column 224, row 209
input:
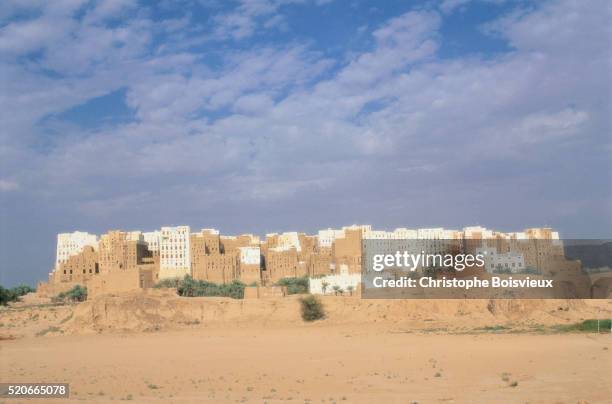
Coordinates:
column 76, row 294
column 312, row 308
column 295, row 286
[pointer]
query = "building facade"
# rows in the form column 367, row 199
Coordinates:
column 69, row 244
column 174, row 251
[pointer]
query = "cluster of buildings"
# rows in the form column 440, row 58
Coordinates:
column 125, row 260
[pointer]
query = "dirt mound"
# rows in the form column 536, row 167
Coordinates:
column 156, row 310
column 20, row 320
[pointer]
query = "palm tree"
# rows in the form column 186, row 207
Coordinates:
column 336, row 288
column 324, row 286
column 350, row 288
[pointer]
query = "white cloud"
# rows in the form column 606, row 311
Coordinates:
column 252, row 15
column 253, row 103
column 541, row 126
column 281, row 122
column 449, row 5
column 8, row 185
column 30, row 36
column 110, row 9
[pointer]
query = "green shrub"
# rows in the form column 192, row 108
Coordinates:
column 588, row 326
column 295, row 286
column 6, row 296
column 77, row 294
column 13, row 294
column 23, row 289
column 190, row 287
column 168, row 283
column 312, row 308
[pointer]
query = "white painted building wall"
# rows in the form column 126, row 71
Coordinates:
column 174, row 252
column 407, row 234
column 343, row 280
column 250, row 255
column 512, row 261
column 69, row 244
column 363, row 227
column 517, row 235
column 438, row 233
column 325, row 238
column 152, row 240
column 253, row 239
column 134, row 236
column 471, row 231
column 289, row 240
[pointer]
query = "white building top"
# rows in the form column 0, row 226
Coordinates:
column 250, row 255
column 69, row 244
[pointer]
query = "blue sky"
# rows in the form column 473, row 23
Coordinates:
column 272, row 115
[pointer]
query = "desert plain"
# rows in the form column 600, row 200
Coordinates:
column 156, row 347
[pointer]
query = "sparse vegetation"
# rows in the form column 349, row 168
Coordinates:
column 324, row 286
column 190, row 287
column 592, row 325
column 295, row 286
column 13, row 294
column 312, row 308
column 47, row 331
column 76, row 294
column 168, row 283
column 494, row 328
column 67, row 318
column 514, row 384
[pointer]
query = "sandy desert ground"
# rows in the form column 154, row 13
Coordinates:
column 161, row 348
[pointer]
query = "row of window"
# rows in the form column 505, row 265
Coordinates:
column 85, row 271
